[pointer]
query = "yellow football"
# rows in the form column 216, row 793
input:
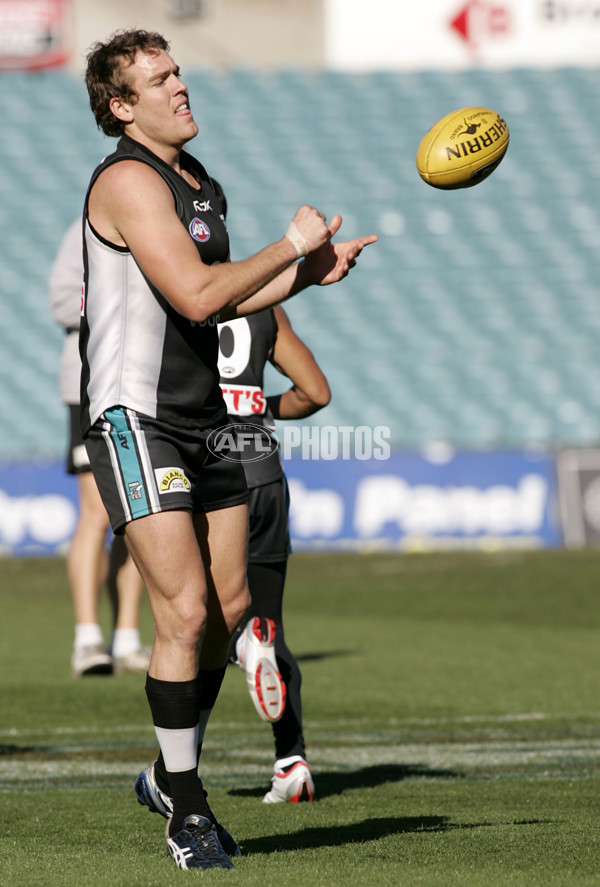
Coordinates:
column 462, row 148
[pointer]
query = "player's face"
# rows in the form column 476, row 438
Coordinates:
column 161, row 115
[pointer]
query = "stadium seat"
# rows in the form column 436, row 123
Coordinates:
column 474, row 320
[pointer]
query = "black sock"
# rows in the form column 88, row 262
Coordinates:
column 175, row 706
column 187, row 788
column 210, row 683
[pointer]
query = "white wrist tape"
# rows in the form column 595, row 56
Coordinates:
column 297, row 239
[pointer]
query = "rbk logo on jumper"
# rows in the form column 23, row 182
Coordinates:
column 199, row 230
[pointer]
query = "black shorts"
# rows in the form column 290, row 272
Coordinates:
column 77, row 458
column 269, row 529
column 143, row 466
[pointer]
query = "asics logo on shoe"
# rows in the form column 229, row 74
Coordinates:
column 197, row 845
column 149, row 795
column 180, row 854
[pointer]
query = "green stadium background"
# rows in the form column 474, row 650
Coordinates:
column 471, row 327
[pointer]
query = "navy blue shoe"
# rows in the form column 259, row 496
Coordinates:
column 197, row 846
column 149, row 795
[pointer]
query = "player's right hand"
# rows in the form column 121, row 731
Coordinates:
column 308, row 230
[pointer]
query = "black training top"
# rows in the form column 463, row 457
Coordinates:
column 245, row 346
column 137, row 350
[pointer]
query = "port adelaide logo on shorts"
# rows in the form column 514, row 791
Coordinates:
column 199, row 230
column 242, row 442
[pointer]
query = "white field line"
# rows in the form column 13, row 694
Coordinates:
column 42, row 771
column 239, row 764
column 334, row 724
column 365, row 747
column 464, row 755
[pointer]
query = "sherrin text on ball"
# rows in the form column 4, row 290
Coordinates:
column 462, row 148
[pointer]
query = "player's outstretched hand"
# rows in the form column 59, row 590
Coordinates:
column 332, row 261
column 308, row 230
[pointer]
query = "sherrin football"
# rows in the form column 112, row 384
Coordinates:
column 462, row 148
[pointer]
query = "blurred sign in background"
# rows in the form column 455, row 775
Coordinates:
column 34, row 34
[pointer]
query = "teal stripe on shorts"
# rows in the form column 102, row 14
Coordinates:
column 129, row 463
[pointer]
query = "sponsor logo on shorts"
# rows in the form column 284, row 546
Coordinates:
column 199, row 230
column 171, row 480
column 242, row 443
column 136, row 489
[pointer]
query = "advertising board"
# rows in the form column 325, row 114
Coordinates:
column 38, row 508
column 406, row 502
column 34, row 34
column 472, row 500
column 455, row 34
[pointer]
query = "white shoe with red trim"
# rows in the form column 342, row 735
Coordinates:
column 256, row 655
column 292, row 781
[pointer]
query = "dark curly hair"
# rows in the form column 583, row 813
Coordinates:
column 106, row 73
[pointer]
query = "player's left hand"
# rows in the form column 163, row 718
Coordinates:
column 332, row 261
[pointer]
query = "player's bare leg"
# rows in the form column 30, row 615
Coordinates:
column 166, row 552
column 195, row 610
column 126, row 589
column 222, row 536
column 87, row 566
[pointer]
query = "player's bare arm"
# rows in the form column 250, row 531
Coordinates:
column 164, row 251
column 328, row 263
column 291, row 356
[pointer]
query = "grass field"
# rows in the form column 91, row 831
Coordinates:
column 452, row 715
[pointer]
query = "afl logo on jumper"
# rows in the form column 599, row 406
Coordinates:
column 199, row 230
